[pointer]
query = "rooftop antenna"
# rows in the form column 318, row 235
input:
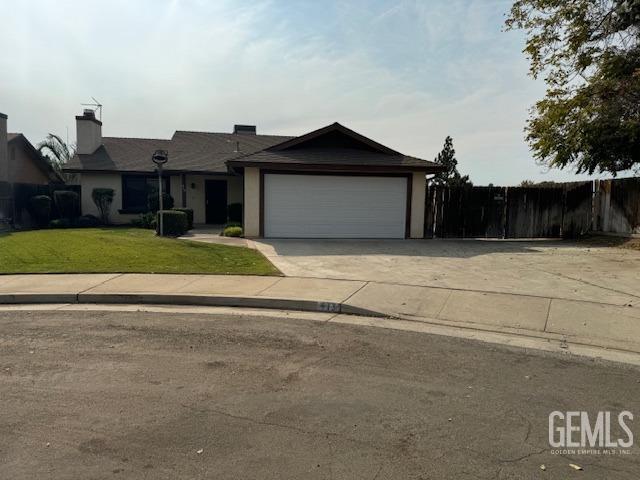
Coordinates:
column 97, row 107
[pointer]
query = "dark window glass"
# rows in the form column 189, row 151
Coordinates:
column 136, row 190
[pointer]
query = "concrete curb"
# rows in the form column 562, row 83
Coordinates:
column 8, row 298
column 190, row 299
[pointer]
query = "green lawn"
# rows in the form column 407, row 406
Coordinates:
column 93, row 250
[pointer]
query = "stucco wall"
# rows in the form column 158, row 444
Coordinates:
column 22, row 169
column 252, row 202
column 418, row 192
column 196, row 193
column 89, row 135
column 89, row 181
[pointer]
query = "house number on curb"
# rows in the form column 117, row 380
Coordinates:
column 329, row 307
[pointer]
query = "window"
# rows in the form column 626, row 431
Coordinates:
column 137, row 188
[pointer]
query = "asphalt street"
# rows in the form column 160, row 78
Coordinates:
column 96, row 395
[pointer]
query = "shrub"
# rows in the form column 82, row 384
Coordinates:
column 189, row 212
column 145, row 220
column 60, row 223
column 154, row 203
column 103, row 198
column 67, row 203
column 174, row 223
column 232, row 232
column 40, row 209
column 234, row 212
column 88, row 221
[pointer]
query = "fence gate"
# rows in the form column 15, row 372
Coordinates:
column 534, row 212
column 458, row 212
column 617, row 206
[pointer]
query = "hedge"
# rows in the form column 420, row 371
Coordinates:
column 40, row 209
column 189, row 212
column 154, row 202
column 174, row 223
column 232, row 231
column 103, row 198
column 67, row 203
column 88, row 221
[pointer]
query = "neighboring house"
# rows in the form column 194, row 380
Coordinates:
column 329, row 183
column 22, row 170
column 20, row 161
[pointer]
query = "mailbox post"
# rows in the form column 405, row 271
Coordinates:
column 160, row 157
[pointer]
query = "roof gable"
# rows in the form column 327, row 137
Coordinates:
column 36, row 157
column 333, row 136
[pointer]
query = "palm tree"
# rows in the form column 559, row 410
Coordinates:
column 57, row 152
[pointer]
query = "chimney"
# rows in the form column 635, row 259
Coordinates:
column 244, row 129
column 4, row 149
column 88, row 132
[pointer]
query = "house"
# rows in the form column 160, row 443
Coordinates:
column 329, row 183
column 24, row 172
column 20, row 161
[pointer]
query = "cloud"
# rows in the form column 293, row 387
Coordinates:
column 407, row 73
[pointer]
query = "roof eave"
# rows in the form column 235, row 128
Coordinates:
column 340, row 167
column 146, row 172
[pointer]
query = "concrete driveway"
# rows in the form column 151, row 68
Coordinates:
column 556, row 269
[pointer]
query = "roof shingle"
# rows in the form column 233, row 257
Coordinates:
column 334, row 145
column 188, row 151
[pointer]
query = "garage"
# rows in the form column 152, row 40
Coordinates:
column 335, row 206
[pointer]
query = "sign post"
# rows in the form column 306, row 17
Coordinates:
column 160, row 157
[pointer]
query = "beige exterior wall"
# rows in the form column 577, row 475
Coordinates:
column 252, row 202
column 418, row 192
column 89, row 181
column 88, row 135
column 22, row 169
column 196, row 193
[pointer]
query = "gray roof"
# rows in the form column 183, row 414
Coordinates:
column 333, row 146
column 188, row 151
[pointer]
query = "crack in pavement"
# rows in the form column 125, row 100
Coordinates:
column 585, row 282
column 284, row 426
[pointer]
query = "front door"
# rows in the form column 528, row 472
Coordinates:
column 215, row 193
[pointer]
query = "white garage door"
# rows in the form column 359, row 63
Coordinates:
column 333, row 206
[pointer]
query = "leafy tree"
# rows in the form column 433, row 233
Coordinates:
column 450, row 177
column 545, row 183
column 589, row 54
column 56, row 151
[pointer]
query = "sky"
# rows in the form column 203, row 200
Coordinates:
column 405, row 73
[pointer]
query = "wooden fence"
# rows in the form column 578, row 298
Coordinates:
column 6, row 204
column 617, row 206
column 563, row 210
